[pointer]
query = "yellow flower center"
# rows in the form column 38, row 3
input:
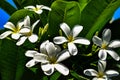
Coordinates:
column 100, row 75
column 52, row 60
column 16, row 29
column 104, row 46
column 70, row 38
column 36, row 9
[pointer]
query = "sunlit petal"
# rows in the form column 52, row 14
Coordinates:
column 5, row 34
column 10, row 26
column 102, row 54
column 31, row 53
column 106, row 35
column 72, row 49
column 111, row 73
column 113, row 54
column 114, row 44
column 62, row 69
column 81, row 41
column 65, row 29
column 90, row 72
column 15, row 36
column 33, row 38
column 21, row 41
column 59, row 40
column 31, row 63
column 63, row 55
column 76, row 30
column 96, row 40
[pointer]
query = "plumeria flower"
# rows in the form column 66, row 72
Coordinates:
column 106, row 45
column 101, row 74
column 27, row 32
column 50, row 58
column 71, row 38
column 38, row 9
column 13, row 30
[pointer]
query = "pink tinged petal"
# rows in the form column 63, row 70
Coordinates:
column 31, row 63
column 31, row 53
column 15, row 36
column 50, row 47
column 41, row 58
column 27, row 21
column 114, row 44
column 47, row 68
column 106, row 35
column 76, row 30
column 43, row 47
column 72, row 49
column 65, row 28
column 25, row 30
column 62, row 69
column 81, row 41
column 5, row 34
column 59, row 40
column 96, row 40
column 33, row 38
column 33, row 26
column 102, row 54
column 63, row 55
column 21, row 41
column 101, row 66
column 10, row 26
column 90, row 72
column 113, row 54
column 111, row 73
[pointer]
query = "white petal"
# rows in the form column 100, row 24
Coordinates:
column 31, row 63
column 96, row 40
column 15, row 36
column 27, row 21
column 65, row 28
column 29, row 7
column 90, row 72
column 63, row 55
column 20, row 25
column 102, row 54
column 103, row 78
column 106, row 35
column 39, row 11
column 41, row 58
column 33, row 26
column 10, row 26
column 113, row 54
column 50, row 47
column 101, row 66
column 21, row 41
column 114, row 44
column 111, row 73
column 59, row 40
column 76, row 30
column 62, row 69
column 45, row 7
column 47, row 68
column 33, row 38
column 24, row 30
column 72, row 49
column 81, row 41
column 5, row 34
column 30, row 53
column 43, row 47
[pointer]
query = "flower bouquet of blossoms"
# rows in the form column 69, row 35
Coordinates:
column 60, row 40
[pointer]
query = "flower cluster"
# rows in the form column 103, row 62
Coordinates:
column 51, row 54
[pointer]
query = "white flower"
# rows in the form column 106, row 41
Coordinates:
column 101, row 74
column 27, row 32
column 14, row 30
column 71, row 38
column 38, row 8
column 106, row 45
column 50, row 58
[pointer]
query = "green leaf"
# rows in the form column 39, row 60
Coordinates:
column 63, row 11
column 55, row 76
column 12, row 60
column 7, row 7
column 96, row 14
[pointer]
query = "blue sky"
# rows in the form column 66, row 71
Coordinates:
column 4, row 19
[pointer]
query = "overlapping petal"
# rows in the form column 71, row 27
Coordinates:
column 102, row 54
column 16, row 36
column 90, row 72
column 97, row 41
column 60, row 40
column 106, row 35
column 27, row 21
column 76, row 30
column 101, row 66
column 81, row 41
column 72, row 49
